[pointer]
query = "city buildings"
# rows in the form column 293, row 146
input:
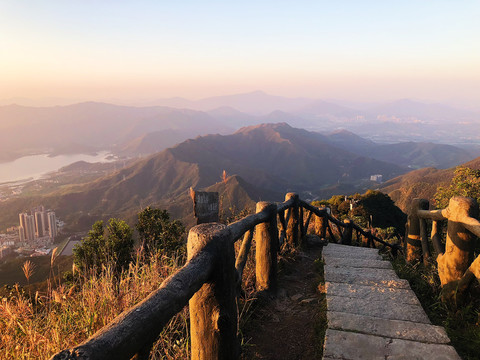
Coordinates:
column 37, row 224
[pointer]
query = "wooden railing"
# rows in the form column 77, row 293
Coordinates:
column 210, row 281
column 455, row 260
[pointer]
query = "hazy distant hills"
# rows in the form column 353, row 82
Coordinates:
column 397, row 121
column 406, row 108
column 91, row 126
column 422, row 183
column 94, row 126
column 268, row 159
column 274, row 157
column 413, row 155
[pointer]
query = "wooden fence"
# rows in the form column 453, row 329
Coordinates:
column 455, row 260
column 210, row 280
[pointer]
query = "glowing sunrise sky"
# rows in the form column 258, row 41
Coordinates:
column 134, row 50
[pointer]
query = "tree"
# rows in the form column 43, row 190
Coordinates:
column 158, row 232
column 111, row 246
column 465, row 182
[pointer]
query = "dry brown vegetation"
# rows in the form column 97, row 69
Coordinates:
column 37, row 326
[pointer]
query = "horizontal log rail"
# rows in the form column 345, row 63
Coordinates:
column 366, row 233
column 455, row 257
column 211, row 280
column 472, row 224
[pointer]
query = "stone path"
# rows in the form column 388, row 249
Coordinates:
column 372, row 314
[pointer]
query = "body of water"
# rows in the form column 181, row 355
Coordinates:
column 34, row 166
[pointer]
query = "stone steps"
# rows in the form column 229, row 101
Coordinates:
column 372, row 314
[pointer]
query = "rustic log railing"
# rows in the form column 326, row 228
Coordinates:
column 211, row 279
column 455, row 260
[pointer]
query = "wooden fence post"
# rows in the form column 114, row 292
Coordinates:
column 413, row 240
column 213, row 311
column 366, row 239
column 436, row 239
column 424, row 238
column 320, row 226
column 460, row 242
column 266, row 249
column 347, row 233
column 293, row 222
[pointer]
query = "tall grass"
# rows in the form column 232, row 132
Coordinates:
column 36, row 327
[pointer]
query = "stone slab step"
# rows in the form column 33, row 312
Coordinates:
column 362, row 280
column 354, row 346
column 350, row 255
column 369, row 273
column 395, row 329
column 359, row 263
column 357, row 249
column 372, row 293
column 382, row 309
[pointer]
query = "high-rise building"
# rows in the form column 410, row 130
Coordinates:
column 23, row 224
column 39, row 224
column 52, row 224
column 45, row 222
column 21, row 233
column 30, row 227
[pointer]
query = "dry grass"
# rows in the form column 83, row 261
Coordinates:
column 36, row 327
column 39, row 325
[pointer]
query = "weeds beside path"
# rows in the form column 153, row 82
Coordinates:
column 291, row 326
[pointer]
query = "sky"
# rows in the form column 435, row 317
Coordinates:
column 138, row 50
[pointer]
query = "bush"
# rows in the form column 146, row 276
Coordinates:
column 102, row 247
column 158, row 232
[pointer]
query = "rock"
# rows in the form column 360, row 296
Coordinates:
column 308, row 301
column 296, row 297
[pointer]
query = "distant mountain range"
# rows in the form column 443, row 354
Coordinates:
column 413, row 155
column 270, row 158
column 265, row 162
column 94, row 126
column 91, row 126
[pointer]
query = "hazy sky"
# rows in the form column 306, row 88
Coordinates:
column 359, row 50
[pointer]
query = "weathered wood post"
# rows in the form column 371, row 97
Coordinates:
column 266, row 240
column 413, row 240
column 424, row 238
column 301, row 225
column 366, row 239
column 213, row 311
column 460, row 242
column 243, row 257
column 436, row 238
column 293, row 221
column 347, row 233
column 320, row 227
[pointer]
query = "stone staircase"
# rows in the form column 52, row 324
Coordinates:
column 372, row 314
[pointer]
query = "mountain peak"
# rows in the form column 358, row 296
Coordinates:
column 264, row 127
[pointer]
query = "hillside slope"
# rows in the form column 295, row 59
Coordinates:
column 276, row 158
column 410, row 154
column 422, row 183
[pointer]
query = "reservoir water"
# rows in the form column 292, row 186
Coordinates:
column 35, row 166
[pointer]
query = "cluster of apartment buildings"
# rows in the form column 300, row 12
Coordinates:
column 38, row 223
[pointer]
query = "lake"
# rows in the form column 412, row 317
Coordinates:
column 34, row 166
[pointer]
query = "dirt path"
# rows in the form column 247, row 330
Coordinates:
column 290, row 326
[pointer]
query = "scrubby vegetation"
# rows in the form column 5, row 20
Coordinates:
column 35, row 326
column 466, row 182
column 74, row 305
column 372, row 209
